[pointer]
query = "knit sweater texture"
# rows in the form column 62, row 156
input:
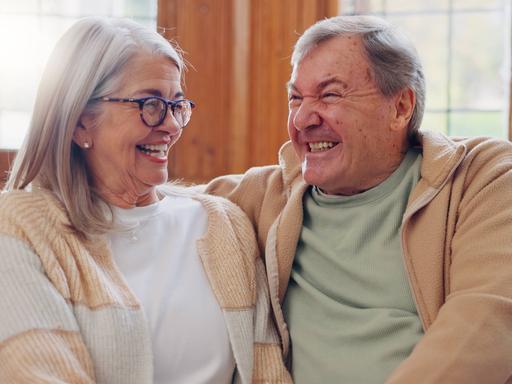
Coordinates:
column 456, row 238
column 67, row 314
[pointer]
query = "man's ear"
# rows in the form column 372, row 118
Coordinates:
column 82, row 134
column 405, row 100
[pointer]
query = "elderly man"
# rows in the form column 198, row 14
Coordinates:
column 388, row 250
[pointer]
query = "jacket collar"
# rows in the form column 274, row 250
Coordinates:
column 441, row 156
column 289, row 163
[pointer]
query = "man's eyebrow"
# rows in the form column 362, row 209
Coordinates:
column 321, row 85
column 332, row 80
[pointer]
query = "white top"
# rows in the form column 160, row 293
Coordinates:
column 159, row 260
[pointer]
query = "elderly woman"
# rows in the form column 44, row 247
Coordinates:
column 107, row 276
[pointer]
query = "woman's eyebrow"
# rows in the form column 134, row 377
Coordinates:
column 157, row 92
column 151, row 91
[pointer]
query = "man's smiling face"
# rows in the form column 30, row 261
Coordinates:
column 344, row 130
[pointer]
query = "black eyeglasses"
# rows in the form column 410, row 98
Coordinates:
column 153, row 109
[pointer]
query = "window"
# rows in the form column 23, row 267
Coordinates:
column 465, row 48
column 29, row 30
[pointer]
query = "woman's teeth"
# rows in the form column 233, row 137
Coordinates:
column 321, row 146
column 155, row 150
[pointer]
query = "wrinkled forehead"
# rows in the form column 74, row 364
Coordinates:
column 342, row 57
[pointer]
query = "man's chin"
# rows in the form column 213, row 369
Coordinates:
column 312, row 177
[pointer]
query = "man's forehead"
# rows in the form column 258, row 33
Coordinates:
column 337, row 60
column 340, row 49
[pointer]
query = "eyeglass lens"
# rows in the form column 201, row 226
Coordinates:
column 154, row 111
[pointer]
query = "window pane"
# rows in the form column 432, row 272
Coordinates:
column 139, row 9
column 14, row 124
column 19, row 71
column 478, row 124
column 478, row 4
column 28, row 31
column 478, row 67
column 434, row 121
column 71, row 8
column 19, row 6
column 466, row 63
column 433, row 51
column 415, row 5
column 350, row 7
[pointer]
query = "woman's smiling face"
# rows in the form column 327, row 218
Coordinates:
column 127, row 159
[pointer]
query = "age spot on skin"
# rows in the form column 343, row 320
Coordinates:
column 368, row 74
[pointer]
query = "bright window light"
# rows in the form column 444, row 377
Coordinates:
column 29, row 29
column 465, row 48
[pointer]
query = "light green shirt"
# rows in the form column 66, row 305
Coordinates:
column 349, row 308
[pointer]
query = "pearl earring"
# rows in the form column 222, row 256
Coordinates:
column 87, row 145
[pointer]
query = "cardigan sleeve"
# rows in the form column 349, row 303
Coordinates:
column 268, row 359
column 40, row 341
column 268, row 364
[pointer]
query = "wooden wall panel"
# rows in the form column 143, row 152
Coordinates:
column 240, row 52
column 201, row 28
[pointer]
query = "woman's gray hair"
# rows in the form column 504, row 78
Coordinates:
column 392, row 57
column 87, row 63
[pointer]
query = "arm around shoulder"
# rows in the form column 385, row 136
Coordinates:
column 268, row 364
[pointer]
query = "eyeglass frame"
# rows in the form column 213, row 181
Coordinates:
column 141, row 100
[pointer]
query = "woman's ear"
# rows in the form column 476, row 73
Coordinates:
column 405, row 100
column 82, row 135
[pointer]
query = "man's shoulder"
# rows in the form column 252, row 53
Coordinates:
column 441, row 151
column 473, row 144
column 259, row 178
column 287, row 169
column 486, row 152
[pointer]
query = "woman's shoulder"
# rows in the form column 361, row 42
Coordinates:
column 222, row 213
column 30, row 207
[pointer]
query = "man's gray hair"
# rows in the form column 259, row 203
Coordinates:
column 87, row 63
column 391, row 55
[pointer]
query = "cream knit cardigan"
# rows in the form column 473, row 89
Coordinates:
column 67, row 314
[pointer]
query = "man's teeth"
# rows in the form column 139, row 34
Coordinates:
column 321, row 146
column 155, row 150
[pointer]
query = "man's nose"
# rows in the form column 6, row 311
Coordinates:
column 306, row 115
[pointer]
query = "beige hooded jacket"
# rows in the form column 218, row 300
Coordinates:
column 457, row 251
